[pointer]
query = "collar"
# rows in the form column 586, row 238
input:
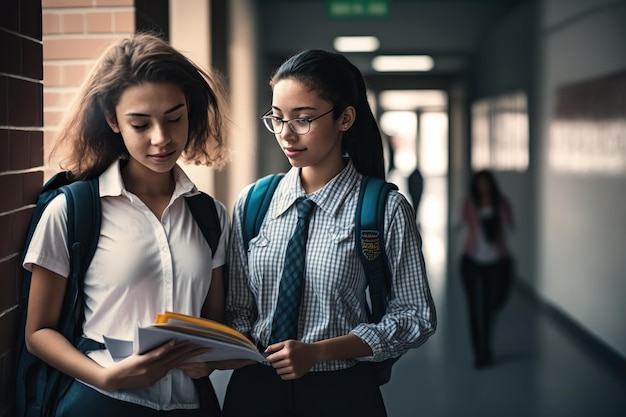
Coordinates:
column 329, row 198
column 111, row 183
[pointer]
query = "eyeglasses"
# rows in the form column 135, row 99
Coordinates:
column 299, row 125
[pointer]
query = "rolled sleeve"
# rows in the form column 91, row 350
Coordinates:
column 410, row 318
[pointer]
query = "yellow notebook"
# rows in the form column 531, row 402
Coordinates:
column 225, row 342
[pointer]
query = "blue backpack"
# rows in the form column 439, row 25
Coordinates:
column 369, row 221
column 39, row 386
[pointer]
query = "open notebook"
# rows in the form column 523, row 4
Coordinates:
column 225, row 342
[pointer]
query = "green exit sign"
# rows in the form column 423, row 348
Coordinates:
column 355, row 9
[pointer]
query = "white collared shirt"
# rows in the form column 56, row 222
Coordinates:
column 142, row 266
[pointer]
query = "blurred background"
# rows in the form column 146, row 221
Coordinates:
column 534, row 90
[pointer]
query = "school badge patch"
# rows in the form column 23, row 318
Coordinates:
column 370, row 244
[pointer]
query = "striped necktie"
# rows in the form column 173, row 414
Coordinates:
column 285, row 321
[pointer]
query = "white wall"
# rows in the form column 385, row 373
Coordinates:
column 581, row 231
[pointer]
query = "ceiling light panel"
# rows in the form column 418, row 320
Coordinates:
column 402, row 63
column 356, row 43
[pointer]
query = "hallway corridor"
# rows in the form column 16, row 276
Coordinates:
column 540, row 370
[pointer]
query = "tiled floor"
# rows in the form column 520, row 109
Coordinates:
column 540, row 369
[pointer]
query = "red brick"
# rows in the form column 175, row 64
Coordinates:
column 51, row 23
column 74, row 74
column 99, row 22
column 52, row 74
column 55, row 101
column 73, row 23
column 100, row 3
column 124, row 22
column 71, row 48
column 66, row 3
column 52, row 117
column 49, row 139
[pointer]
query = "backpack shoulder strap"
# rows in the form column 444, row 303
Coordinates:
column 83, row 232
column 369, row 230
column 369, row 236
column 204, row 212
column 84, row 216
column 256, row 205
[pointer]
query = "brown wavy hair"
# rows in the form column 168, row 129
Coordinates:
column 89, row 143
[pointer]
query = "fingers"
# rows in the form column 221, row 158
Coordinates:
column 172, row 354
column 184, row 351
column 275, row 347
column 197, row 369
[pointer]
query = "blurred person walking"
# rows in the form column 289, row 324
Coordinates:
column 486, row 264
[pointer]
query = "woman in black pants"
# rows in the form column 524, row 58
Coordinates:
column 486, row 265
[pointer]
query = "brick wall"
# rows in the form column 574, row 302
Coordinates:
column 21, row 139
column 46, row 48
column 75, row 32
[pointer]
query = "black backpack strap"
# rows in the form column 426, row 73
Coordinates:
column 204, row 212
column 84, row 216
column 370, row 241
column 256, row 205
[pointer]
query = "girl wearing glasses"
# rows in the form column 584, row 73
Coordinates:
column 322, row 121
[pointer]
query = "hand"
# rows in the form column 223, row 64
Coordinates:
column 201, row 369
column 197, row 370
column 292, row 359
column 138, row 371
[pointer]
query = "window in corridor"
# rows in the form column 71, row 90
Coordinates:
column 500, row 133
column 415, row 122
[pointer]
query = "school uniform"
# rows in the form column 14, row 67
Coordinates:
column 333, row 301
column 142, row 266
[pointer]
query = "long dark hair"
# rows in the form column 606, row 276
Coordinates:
column 144, row 57
column 337, row 80
column 492, row 226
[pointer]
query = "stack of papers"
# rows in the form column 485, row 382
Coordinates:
column 225, row 342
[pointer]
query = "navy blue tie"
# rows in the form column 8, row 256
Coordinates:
column 285, row 322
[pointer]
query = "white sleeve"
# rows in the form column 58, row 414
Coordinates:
column 219, row 257
column 48, row 247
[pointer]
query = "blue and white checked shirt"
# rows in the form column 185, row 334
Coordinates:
column 333, row 295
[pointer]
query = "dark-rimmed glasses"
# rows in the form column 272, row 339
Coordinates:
column 299, row 125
